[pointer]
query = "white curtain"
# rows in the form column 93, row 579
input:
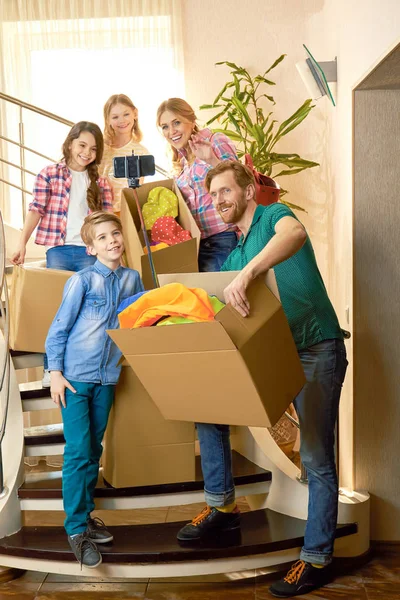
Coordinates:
column 68, row 57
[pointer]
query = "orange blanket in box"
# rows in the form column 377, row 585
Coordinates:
column 173, row 299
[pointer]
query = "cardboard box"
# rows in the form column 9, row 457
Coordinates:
column 140, row 446
column 181, row 258
column 233, row 370
column 35, row 297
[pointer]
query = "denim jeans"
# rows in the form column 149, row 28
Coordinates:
column 317, row 408
column 85, row 419
column 67, row 258
column 215, row 249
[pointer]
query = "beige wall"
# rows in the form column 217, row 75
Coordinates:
column 254, row 34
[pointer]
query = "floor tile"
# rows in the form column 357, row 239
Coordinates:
column 60, row 578
column 23, row 588
column 382, row 568
column 94, row 594
column 382, row 591
column 242, row 576
column 122, row 588
column 200, row 591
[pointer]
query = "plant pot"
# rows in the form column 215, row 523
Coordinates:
column 267, row 195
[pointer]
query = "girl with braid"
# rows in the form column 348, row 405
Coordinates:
column 63, row 195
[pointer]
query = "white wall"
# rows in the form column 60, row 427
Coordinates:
column 253, row 35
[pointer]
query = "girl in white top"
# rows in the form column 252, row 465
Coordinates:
column 121, row 135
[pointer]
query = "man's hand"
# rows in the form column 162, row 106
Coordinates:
column 203, row 150
column 235, row 293
column 58, row 383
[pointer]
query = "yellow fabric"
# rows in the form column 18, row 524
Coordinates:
column 173, row 299
column 317, row 566
column 226, row 509
column 161, row 202
column 159, row 246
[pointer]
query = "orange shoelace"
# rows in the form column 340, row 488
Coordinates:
column 295, row 572
column 203, row 515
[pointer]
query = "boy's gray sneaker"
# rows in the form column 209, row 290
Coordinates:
column 85, row 550
column 97, row 531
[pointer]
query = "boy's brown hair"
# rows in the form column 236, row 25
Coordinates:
column 97, row 218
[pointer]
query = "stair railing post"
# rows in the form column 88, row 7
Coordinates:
column 22, row 161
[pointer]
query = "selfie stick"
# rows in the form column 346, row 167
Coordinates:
column 133, row 184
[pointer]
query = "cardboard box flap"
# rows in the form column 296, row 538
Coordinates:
column 169, row 339
column 263, row 305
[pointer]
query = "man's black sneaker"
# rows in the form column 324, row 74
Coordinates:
column 97, row 531
column 209, row 522
column 85, row 550
column 301, row 578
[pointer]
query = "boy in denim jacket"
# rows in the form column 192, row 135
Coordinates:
column 83, row 361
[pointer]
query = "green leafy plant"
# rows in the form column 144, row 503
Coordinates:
column 255, row 131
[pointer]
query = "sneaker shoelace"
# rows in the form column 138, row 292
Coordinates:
column 96, row 523
column 203, row 515
column 295, row 572
column 83, row 543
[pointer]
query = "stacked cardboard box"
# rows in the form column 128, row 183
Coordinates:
column 180, row 258
column 141, row 448
column 35, row 297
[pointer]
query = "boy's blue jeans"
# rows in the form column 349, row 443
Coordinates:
column 317, row 408
column 85, row 419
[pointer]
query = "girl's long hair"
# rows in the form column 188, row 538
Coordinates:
column 93, row 196
column 182, row 109
column 109, row 133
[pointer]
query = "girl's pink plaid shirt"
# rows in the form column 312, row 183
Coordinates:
column 51, row 200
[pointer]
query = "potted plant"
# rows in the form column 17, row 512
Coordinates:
column 256, row 133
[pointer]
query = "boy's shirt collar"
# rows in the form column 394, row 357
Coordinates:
column 106, row 271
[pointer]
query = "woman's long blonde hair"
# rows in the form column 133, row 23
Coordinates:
column 109, row 133
column 183, row 109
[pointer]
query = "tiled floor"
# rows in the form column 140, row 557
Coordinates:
column 379, row 579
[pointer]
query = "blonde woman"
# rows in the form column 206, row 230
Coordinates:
column 194, row 153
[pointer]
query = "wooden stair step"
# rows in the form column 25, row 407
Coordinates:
column 48, row 485
column 262, row 531
column 44, row 434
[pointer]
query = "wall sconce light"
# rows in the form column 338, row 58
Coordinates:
column 316, row 76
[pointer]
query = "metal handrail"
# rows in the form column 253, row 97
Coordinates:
column 7, row 162
column 5, row 372
column 35, row 109
column 2, row 137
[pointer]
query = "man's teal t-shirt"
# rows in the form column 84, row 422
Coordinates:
column 311, row 316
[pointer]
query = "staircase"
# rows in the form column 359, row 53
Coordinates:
column 269, row 536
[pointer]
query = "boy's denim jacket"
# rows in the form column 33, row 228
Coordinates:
column 77, row 343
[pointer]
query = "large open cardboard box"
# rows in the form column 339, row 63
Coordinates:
column 141, row 447
column 35, row 297
column 181, row 258
column 233, row 370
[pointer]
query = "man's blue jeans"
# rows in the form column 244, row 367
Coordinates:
column 317, row 408
column 85, row 419
column 215, row 249
column 67, row 258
